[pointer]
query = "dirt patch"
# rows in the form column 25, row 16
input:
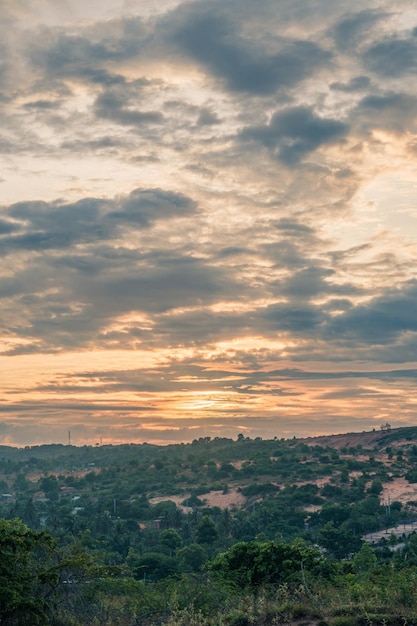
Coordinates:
column 399, row 490
column 176, row 499
column 233, row 499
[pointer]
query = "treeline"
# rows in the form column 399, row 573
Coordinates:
column 252, row 583
column 118, row 550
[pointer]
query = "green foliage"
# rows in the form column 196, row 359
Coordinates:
column 28, row 574
column 207, row 532
column 192, row 557
column 251, row 565
column 365, row 560
column 341, row 542
column 101, row 501
column 155, row 566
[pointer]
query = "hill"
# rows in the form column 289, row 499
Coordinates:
column 366, row 439
column 153, row 519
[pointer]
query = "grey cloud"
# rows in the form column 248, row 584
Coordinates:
column 386, row 101
column 286, row 254
column 232, row 251
column 207, row 117
column 293, row 227
column 351, row 29
column 174, row 377
column 306, row 283
column 104, row 143
column 392, row 57
column 293, row 133
column 84, row 54
column 382, row 320
column 145, row 206
column 204, row 326
column 245, row 66
column 388, row 110
column 312, row 282
column 64, row 406
column 299, row 374
column 43, row 105
column 178, row 282
column 292, row 318
column 57, row 225
column 357, row 83
column 113, row 105
column 7, row 227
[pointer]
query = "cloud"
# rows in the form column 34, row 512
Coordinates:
column 85, row 55
column 392, row 57
column 294, row 133
column 382, row 320
column 208, row 208
column 58, row 225
column 296, row 319
column 353, row 28
column 212, row 41
column 311, row 282
column 357, row 83
column 390, row 111
column 113, row 105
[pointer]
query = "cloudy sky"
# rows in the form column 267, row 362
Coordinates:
column 208, row 218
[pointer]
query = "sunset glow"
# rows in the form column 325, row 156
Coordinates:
column 208, row 219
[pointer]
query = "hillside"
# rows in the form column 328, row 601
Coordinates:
column 366, row 439
column 159, row 517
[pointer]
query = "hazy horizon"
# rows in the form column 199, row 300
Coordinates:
column 208, row 219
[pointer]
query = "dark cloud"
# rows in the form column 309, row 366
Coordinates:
column 113, row 105
column 383, row 320
column 312, row 282
column 144, row 206
column 85, row 55
column 357, row 83
column 388, row 110
column 207, row 117
column 392, row 57
column 352, row 28
column 248, row 246
column 43, row 105
column 245, row 66
column 293, row 227
column 299, row 374
column 7, row 227
column 105, row 143
column 176, row 283
column 48, row 226
column 293, row 133
column 292, row 318
column 63, row 406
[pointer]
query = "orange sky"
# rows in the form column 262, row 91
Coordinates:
column 207, row 220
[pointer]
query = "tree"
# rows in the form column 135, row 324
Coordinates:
column 171, row 540
column 50, row 486
column 154, row 566
column 206, row 531
column 192, row 557
column 365, row 560
column 339, row 541
column 253, row 564
column 28, row 574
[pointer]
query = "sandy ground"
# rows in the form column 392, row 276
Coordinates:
column 233, row 499
column 399, row 490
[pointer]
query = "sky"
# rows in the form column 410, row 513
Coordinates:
column 208, row 219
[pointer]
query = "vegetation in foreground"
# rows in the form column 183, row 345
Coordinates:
column 91, row 536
